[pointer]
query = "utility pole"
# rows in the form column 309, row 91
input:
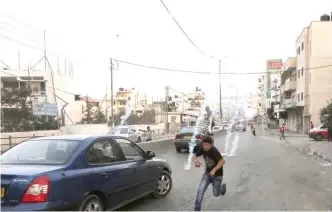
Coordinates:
column 87, row 109
column 220, row 106
column 182, row 103
column 166, row 109
column 29, row 82
column 112, row 101
column 106, row 113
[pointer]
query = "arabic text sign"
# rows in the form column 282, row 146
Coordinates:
column 44, row 109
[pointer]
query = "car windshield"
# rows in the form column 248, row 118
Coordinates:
column 191, row 130
column 119, row 130
column 40, row 152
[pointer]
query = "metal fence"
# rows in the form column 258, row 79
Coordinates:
column 9, row 141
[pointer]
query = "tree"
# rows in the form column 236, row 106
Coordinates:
column 326, row 113
column 208, row 112
column 149, row 116
column 99, row 117
column 15, row 109
column 131, row 120
column 93, row 115
column 88, row 114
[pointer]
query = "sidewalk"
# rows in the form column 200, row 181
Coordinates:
column 321, row 149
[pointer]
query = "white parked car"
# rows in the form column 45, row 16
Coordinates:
column 127, row 132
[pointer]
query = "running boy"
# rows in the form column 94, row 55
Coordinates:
column 214, row 163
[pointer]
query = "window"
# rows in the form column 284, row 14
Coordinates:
column 103, row 151
column 298, row 97
column 298, row 73
column 301, row 95
column 130, row 150
column 302, row 46
column 302, row 71
column 49, row 152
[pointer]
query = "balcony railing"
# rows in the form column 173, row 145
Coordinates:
column 288, row 103
column 290, row 86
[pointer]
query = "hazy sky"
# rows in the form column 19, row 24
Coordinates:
column 90, row 32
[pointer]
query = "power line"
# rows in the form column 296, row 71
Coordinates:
column 25, row 44
column 177, row 23
column 205, row 72
column 165, row 69
column 45, row 86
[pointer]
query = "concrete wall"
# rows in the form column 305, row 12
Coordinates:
column 91, row 129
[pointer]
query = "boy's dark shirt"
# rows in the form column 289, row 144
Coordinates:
column 212, row 158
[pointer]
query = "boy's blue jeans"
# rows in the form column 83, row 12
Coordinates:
column 205, row 182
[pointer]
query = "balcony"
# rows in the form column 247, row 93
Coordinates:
column 122, row 98
column 300, row 103
column 290, row 64
column 288, row 103
column 290, row 86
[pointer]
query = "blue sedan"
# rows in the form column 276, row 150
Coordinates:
column 85, row 173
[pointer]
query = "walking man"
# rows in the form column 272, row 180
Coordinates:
column 148, row 134
column 282, row 131
column 213, row 174
column 329, row 133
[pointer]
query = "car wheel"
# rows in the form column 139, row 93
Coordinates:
column 164, row 185
column 178, row 150
column 318, row 137
column 139, row 140
column 92, row 203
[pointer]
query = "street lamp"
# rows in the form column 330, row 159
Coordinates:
column 219, row 59
column 236, row 90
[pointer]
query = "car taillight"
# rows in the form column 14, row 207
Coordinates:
column 38, row 190
column 176, row 137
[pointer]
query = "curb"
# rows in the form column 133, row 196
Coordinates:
column 322, row 156
column 308, row 150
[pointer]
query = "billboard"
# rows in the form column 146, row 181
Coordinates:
column 44, row 109
column 273, row 71
column 274, row 64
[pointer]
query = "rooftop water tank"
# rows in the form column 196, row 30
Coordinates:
column 325, row 17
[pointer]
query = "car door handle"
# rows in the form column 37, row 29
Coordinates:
column 103, row 175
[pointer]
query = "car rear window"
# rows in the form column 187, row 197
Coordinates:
column 44, row 151
column 191, row 130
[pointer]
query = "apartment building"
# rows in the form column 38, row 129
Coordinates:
column 46, row 100
column 261, row 96
column 307, row 78
column 122, row 97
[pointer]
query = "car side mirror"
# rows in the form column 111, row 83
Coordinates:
column 150, row 154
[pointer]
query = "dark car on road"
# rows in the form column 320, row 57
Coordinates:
column 183, row 138
column 80, row 173
column 240, row 126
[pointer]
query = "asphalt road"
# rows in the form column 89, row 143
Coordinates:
column 262, row 173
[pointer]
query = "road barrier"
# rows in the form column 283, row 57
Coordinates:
column 11, row 141
column 157, row 142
